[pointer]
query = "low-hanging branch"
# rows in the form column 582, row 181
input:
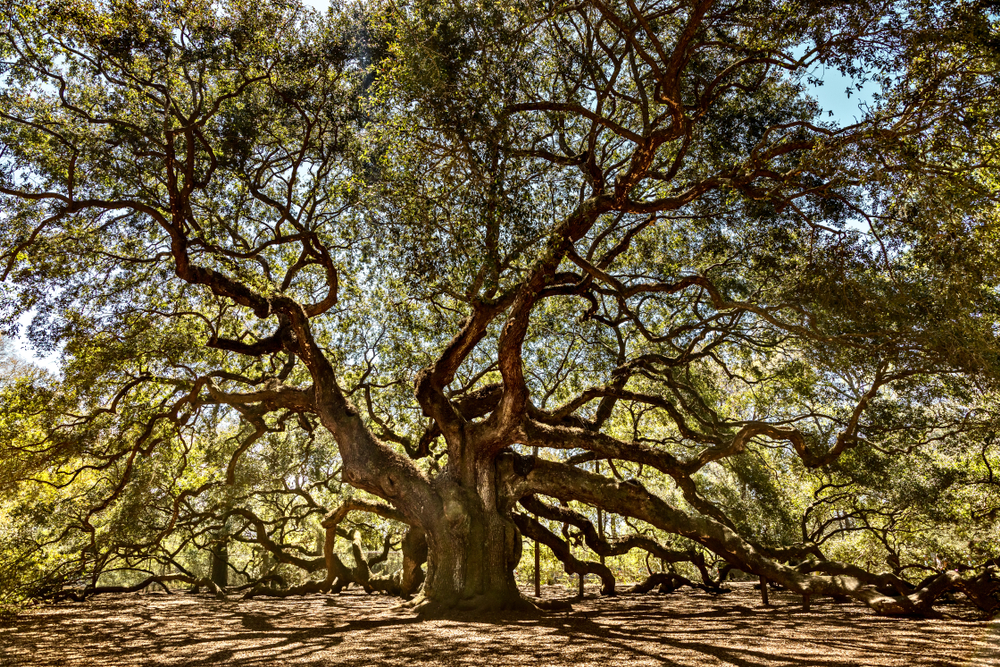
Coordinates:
column 568, row 483
column 534, row 530
column 618, row 547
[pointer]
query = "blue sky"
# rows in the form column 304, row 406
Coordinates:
column 832, row 95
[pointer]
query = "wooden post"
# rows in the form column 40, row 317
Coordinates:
column 538, row 559
column 805, row 602
column 538, row 576
column 600, row 513
column 582, row 575
column 763, row 591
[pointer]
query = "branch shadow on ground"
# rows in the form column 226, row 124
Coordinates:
column 688, row 630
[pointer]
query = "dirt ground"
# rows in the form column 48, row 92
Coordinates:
column 687, row 628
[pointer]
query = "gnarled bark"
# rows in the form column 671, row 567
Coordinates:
column 472, row 552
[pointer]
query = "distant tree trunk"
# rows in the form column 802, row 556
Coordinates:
column 220, row 563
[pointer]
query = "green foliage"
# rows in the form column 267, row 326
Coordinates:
column 693, row 251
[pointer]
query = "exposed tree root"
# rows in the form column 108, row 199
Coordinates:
column 272, row 579
column 307, row 588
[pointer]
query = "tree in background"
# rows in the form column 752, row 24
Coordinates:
column 403, row 247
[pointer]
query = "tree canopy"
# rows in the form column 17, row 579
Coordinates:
column 479, row 270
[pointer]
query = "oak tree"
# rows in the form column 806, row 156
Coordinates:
column 608, row 253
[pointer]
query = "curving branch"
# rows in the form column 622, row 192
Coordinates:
column 568, row 483
column 534, row 530
column 606, row 548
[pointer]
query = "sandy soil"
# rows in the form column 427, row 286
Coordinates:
column 686, row 628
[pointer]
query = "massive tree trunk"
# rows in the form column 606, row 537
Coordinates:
column 473, row 549
column 472, row 546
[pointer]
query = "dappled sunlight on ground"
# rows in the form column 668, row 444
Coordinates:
column 686, row 628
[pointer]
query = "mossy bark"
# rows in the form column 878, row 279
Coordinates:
column 472, row 551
